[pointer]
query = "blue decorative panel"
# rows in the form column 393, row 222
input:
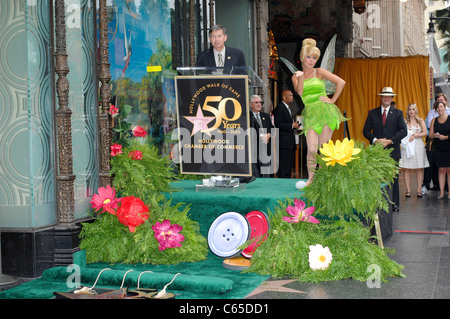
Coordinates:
column 27, row 148
column 27, row 194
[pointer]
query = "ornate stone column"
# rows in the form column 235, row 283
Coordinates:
column 211, row 13
column 66, row 231
column 192, row 56
column 104, row 118
column 65, row 177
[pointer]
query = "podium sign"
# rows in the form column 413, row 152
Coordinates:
column 213, row 124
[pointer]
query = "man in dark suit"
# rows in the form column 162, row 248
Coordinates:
column 220, row 55
column 285, row 124
column 261, row 146
column 386, row 125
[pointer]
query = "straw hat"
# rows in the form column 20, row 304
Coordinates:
column 387, row 91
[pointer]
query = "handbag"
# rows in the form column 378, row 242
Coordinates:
column 430, row 146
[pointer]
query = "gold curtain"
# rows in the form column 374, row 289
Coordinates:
column 365, row 78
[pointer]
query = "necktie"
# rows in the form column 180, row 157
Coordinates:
column 384, row 117
column 220, row 62
column 289, row 110
column 259, row 120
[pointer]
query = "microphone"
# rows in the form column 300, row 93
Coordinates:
column 202, row 55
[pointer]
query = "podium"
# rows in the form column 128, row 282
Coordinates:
column 213, row 119
column 254, row 79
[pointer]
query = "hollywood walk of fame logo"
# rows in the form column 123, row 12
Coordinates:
column 200, row 121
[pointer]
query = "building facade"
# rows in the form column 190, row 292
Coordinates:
column 389, row 28
column 65, row 62
column 434, row 44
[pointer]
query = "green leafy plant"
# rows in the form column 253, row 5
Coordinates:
column 141, row 177
column 285, row 251
column 123, row 127
column 123, row 230
column 343, row 192
column 356, row 189
column 107, row 240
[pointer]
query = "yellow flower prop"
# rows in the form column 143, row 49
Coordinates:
column 340, row 153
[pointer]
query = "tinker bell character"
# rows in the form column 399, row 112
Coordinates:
column 320, row 115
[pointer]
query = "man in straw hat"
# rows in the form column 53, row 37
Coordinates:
column 385, row 125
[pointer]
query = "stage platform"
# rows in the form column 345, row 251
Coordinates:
column 262, row 194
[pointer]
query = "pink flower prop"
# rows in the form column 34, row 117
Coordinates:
column 113, row 110
column 168, row 235
column 139, row 132
column 116, row 149
column 105, row 199
column 300, row 214
column 132, row 212
column 136, row 155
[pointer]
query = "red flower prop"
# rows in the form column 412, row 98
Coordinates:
column 168, row 235
column 116, row 149
column 105, row 199
column 113, row 110
column 136, row 155
column 139, row 132
column 132, row 212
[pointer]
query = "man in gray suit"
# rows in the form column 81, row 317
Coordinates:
column 261, row 142
column 386, row 125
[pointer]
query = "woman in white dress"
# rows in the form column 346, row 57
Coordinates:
column 414, row 157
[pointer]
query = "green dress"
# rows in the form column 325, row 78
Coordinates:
column 316, row 113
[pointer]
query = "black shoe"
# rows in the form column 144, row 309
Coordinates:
column 395, row 208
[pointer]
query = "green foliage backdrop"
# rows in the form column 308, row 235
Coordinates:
column 285, row 251
column 341, row 191
column 342, row 195
column 141, row 178
column 107, row 240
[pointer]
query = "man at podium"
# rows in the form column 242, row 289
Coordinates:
column 220, row 55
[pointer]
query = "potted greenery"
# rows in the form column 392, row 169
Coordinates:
column 333, row 244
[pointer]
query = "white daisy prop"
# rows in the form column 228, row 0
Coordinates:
column 319, row 257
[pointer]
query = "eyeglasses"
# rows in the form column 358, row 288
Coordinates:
column 260, row 102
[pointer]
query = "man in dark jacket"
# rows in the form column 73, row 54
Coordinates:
column 286, row 127
column 386, row 125
column 220, row 55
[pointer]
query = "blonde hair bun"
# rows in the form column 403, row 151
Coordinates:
column 309, row 48
column 309, row 42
